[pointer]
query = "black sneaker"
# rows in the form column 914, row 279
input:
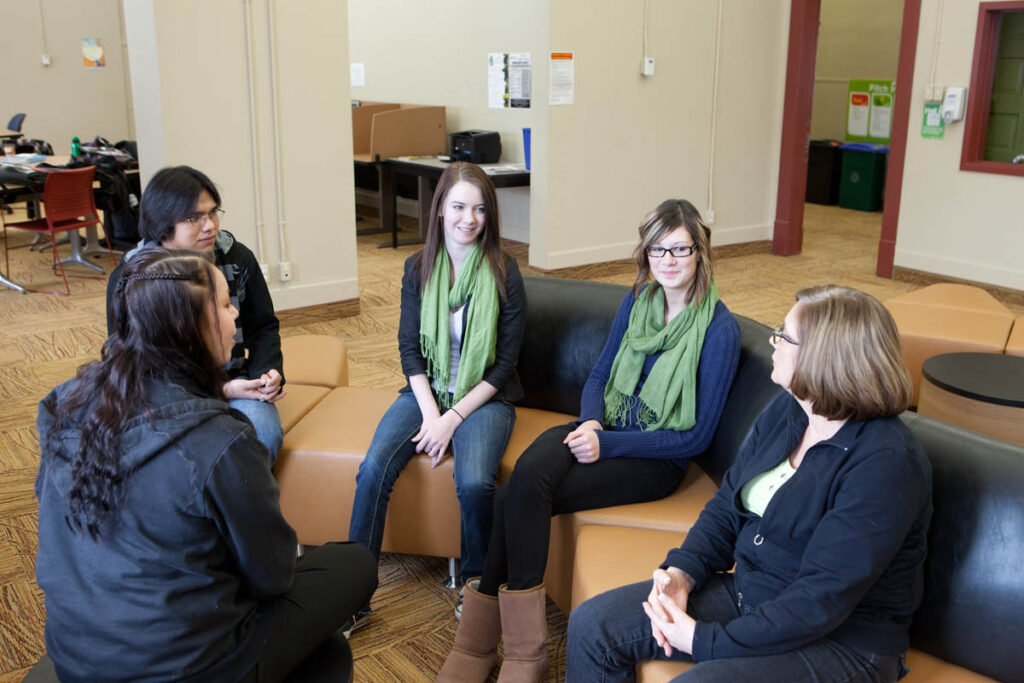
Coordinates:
column 356, row 621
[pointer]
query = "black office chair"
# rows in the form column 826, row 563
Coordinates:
column 15, row 122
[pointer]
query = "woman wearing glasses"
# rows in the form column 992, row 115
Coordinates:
column 652, row 401
column 181, row 210
column 824, row 514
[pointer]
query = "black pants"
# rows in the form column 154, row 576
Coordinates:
column 331, row 583
column 547, row 481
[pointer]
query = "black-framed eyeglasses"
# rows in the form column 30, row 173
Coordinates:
column 200, row 218
column 778, row 334
column 677, row 252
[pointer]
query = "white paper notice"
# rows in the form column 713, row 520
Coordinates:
column 497, row 80
column 881, row 121
column 358, row 75
column 519, row 80
column 561, row 78
column 857, row 120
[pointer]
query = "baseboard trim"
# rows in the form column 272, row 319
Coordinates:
column 970, row 271
column 297, row 296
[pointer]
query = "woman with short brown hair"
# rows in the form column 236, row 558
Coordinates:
column 824, row 515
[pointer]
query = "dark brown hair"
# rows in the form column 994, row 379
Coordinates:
column 666, row 217
column 161, row 309
column 490, row 238
column 850, row 366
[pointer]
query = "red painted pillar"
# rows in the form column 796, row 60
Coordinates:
column 898, row 142
column 796, row 126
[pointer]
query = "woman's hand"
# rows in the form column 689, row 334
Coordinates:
column 666, row 607
column 270, row 386
column 583, row 443
column 266, row 388
column 434, row 436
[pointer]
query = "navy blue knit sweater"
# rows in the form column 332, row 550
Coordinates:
column 839, row 552
column 715, row 371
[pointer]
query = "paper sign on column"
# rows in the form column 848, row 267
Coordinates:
column 519, row 80
column 358, row 75
column 561, row 78
column 497, row 80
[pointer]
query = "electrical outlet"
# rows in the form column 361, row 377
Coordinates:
column 647, row 66
column 265, row 269
column 284, row 271
column 46, row 60
column 709, row 217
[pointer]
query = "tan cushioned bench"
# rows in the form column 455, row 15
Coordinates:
column 328, row 431
column 947, row 318
column 1015, row 344
column 638, row 552
column 314, row 364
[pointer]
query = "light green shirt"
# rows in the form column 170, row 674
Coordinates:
column 758, row 492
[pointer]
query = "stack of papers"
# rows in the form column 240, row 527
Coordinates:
column 23, row 159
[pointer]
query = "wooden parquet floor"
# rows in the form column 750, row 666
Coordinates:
column 43, row 339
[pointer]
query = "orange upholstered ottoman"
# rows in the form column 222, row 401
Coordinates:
column 945, row 318
column 1015, row 344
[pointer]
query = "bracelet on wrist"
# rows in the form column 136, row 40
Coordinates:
column 457, row 413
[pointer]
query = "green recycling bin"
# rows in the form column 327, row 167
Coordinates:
column 863, row 177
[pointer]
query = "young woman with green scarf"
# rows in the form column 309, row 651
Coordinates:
column 459, row 335
column 652, row 401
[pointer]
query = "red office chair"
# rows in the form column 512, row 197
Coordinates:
column 68, row 204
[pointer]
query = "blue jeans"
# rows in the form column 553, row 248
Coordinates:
column 477, row 447
column 609, row 633
column 265, row 420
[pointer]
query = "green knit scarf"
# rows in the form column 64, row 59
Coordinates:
column 668, row 397
column 474, row 281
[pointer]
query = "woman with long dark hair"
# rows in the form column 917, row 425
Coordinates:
column 163, row 554
column 651, row 403
column 459, row 336
column 808, row 563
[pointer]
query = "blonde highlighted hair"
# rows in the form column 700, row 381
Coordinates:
column 850, row 365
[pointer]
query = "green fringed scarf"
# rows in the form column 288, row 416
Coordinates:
column 668, row 397
column 474, row 281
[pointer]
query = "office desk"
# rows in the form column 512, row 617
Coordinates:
column 427, row 171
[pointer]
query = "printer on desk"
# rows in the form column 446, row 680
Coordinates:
column 476, row 146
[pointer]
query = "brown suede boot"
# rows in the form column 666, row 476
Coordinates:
column 476, row 641
column 524, row 621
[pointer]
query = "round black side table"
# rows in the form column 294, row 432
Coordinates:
column 983, row 392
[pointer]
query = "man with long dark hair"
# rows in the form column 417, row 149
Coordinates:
column 181, row 209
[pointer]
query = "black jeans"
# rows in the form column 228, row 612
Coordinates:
column 548, row 481
column 331, row 583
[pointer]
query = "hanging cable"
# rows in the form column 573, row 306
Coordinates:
column 254, row 146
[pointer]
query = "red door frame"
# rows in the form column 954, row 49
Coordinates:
column 898, row 142
column 796, row 127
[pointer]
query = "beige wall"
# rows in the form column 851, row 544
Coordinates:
column 202, row 101
column 855, row 40
column 629, row 141
column 64, row 99
column 952, row 222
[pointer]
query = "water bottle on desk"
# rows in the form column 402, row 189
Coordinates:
column 76, row 147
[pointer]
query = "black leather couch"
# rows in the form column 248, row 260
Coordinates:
column 972, row 614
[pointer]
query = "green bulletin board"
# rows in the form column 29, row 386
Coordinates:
column 869, row 111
